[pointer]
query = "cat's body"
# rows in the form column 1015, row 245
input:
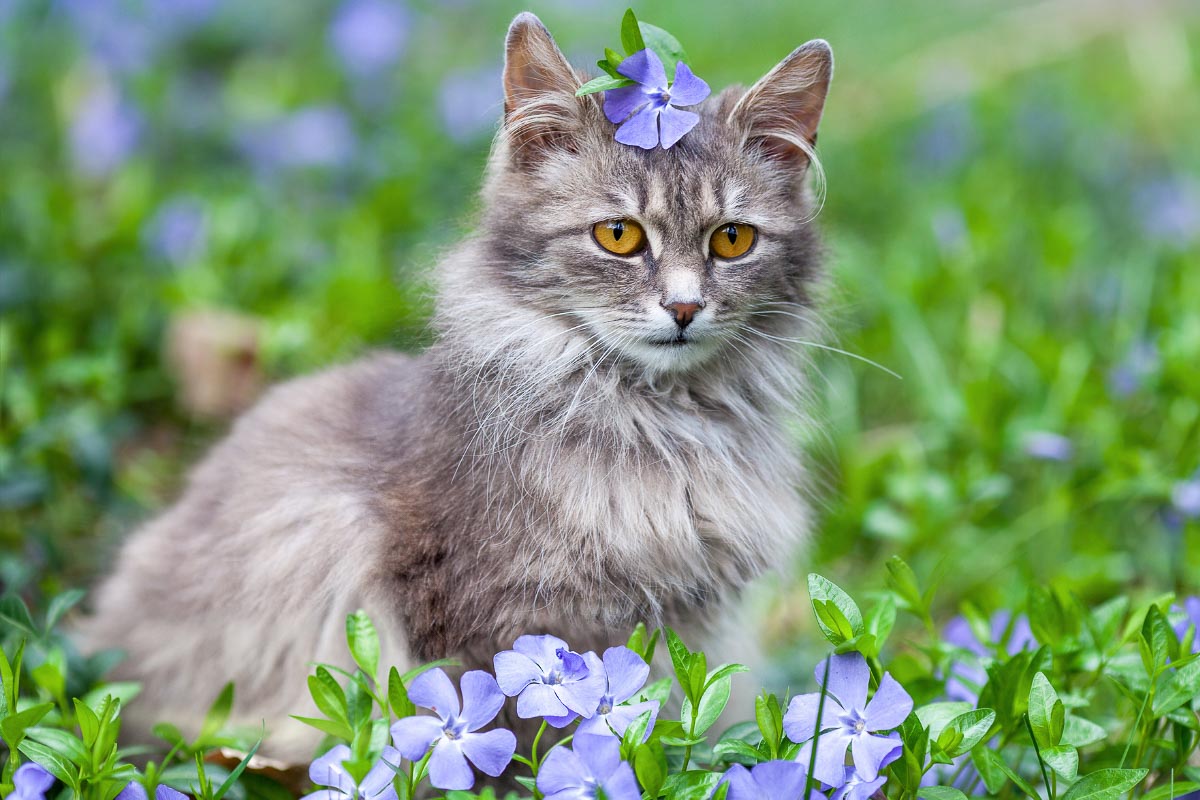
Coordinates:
column 540, row 469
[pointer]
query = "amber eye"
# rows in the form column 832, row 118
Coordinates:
column 621, row 236
column 731, row 240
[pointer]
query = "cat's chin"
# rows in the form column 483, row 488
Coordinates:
column 671, row 355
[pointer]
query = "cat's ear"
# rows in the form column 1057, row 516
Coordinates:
column 541, row 111
column 779, row 114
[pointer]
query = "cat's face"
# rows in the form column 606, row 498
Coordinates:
column 662, row 258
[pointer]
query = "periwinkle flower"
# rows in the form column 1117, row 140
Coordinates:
column 469, row 102
column 1168, row 209
column 178, row 231
column 592, row 766
column 1047, row 446
column 316, row 136
column 856, row 786
column 454, row 733
column 550, row 680
column 848, row 720
column 31, row 782
column 369, row 35
column 1190, row 619
column 1185, row 497
column 626, row 673
column 1139, row 364
column 649, row 113
column 966, row 678
column 328, row 771
column 104, row 131
column 770, row 780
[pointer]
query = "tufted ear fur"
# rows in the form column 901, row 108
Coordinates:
column 541, row 112
column 781, row 112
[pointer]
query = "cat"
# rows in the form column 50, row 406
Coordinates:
column 594, row 439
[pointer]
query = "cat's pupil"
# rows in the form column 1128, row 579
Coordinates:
column 618, row 230
column 731, row 232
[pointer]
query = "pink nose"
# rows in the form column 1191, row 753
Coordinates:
column 683, row 312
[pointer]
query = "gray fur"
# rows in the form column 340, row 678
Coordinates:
column 545, row 466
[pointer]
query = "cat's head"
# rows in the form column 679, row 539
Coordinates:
column 660, row 258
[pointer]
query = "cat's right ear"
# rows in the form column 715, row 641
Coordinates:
column 541, row 111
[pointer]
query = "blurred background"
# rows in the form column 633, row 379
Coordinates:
column 200, row 197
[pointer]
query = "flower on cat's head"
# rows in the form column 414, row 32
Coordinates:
column 592, row 765
column 649, row 112
column 550, row 680
column 625, row 673
column 328, row 771
column 454, row 732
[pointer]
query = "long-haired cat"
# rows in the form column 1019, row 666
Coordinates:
column 598, row 436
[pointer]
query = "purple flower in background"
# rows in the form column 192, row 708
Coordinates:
column 1169, row 209
column 1139, row 364
column 328, row 771
column 592, row 765
column 856, row 786
column 967, row 677
column 369, row 35
column 649, row 113
column 110, row 34
column 104, row 131
column 848, row 720
column 1191, row 619
column 162, row 792
column 1046, row 446
column 31, row 782
column 317, row 136
column 454, row 733
column 770, row 780
column 179, row 230
column 132, row 791
column 1185, row 497
column 469, row 103
column 626, row 673
column 550, row 680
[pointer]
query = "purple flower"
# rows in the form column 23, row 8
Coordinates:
column 592, row 765
column 1140, row 363
column 328, row 771
column 856, row 786
column 469, row 102
column 1190, row 619
column 104, row 132
column 848, row 720
column 132, row 791
column 369, row 35
column 650, row 111
column 550, row 680
column 965, row 677
column 178, row 230
column 454, row 733
column 1185, row 496
column 162, row 792
column 31, row 782
column 1046, row 446
column 1169, row 209
column 626, row 673
column 770, row 780
column 317, row 136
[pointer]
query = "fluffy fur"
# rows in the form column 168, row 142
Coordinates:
column 564, row 459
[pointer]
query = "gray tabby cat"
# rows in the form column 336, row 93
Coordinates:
column 595, row 439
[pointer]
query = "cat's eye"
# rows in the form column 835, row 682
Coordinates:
column 623, row 237
column 731, row 240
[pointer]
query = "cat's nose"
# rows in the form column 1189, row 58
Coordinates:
column 684, row 312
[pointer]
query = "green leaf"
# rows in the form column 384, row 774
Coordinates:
column 635, row 734
column 936, row 716
column 54, row 762
column 1156, row 642
column 1168, row 791
column 1079, row 732
column 1105, row 784
column 769, row 716
column 998, row 763
column 631, row 34
column 613, row 57
column 63, row 743
column 1046, row 712
column 363, row 642
column 1063, row 759
column 327, row 693
column 1176, row 689
column 681, row 660
column 89, row 723
column 837, row 614
column 1046, row 617
column 712, row 703
column 695, row 784
column 723, row 671
column 735, row 751
column 681, row 741
column 666, row 46
column 13, row 726
column 993, row 778
column 338, row 730
column 903, row 581
column 60, row 605
column 880, row 620
column 650, row 766
column 697, row 674
column 14, row 611
column 965, row 731
column 660, row 690
column 218, row 713
column 237, row 771
column 398, row 696
column 941, row 793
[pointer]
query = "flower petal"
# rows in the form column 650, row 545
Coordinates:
column 515, row 671
column 32, row 779
column 163, row 792
column 561, row 721
column 448, row 767
column 830, row 766
column 780, row 778
column 540, row 649
column 320, row 794
column 848, row 677
column 328, row 770
column 640, row 130
column 620, row 784
column 619, row 720
column 562, row 771
column 377, row 785
column 889, row 707
column 540, row 700
column 413, row 735
column 482, row 698
column 600, row 754
column 646, row 68
column 800, row 720
column 687, row 90
column 674, row 123
column 490, row 751
column 582, row 695
column 135, row 791
column 741, row 785
column 620, row 103
column 871, row 752
column 434, row 690
column 626, row 671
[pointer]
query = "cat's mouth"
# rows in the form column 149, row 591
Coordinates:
column 678, row 341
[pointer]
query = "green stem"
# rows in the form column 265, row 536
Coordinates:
column 534, row 762
column 418, row 774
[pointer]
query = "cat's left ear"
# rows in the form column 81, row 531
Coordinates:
column 541, row 111
column 780, row 113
